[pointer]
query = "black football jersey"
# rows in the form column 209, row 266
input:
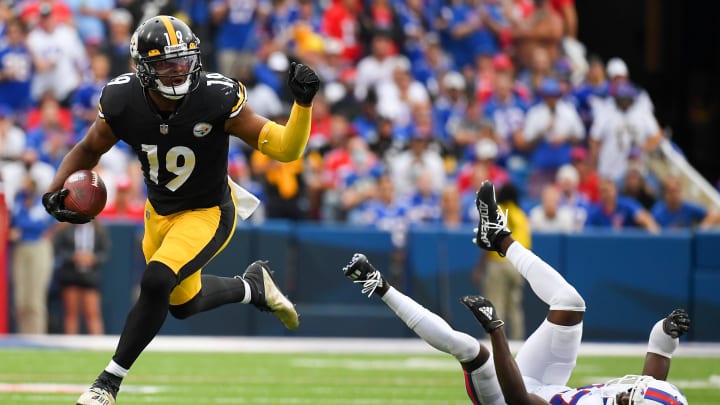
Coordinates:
column 184, row 156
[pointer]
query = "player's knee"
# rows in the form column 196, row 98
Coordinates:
column 567, row 299
column 158, row 279
column 183, row 311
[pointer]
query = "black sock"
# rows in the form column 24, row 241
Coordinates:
column 147, row 315
column 216, row 291
column 112, row 378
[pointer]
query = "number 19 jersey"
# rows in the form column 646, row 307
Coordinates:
column 183, row 156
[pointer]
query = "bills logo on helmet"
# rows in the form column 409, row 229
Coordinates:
column 201, row 129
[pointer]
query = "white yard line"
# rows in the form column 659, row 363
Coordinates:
column 261, row 344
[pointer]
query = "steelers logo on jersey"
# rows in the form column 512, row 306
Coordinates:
column 201, row 129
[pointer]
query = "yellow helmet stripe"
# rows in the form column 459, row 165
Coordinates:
column 170, row 30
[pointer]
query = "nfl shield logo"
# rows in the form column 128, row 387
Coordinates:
column 164, row 129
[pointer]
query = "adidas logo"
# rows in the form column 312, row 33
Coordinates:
column 487, row 311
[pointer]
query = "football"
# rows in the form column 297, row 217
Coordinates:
column 86, row 193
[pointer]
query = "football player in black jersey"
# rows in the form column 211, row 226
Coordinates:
column 177, row 118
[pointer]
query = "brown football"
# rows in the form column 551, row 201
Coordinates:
column 86, row 193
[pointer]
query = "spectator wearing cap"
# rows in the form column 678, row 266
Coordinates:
column 551, row 128
column 59, row 57
column 376, row 69
column 126, row 206
column 483, row 159
column 117, row 45
column 450, row 107
column 567, row 182
column 673, row 211
column 32, row 11
column 16, row 68
column 620, row 128
column 618, row 73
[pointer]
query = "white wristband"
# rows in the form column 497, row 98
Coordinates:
column 660, row 342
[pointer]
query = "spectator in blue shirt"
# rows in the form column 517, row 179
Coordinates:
column 16, row 67
column 616, row 211
column 468, row 35
column 32, row 259
column 674, row 212
column 237, row 37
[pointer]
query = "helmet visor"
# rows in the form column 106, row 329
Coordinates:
column 175, row 66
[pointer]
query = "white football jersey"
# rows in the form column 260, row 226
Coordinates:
column 588, row 395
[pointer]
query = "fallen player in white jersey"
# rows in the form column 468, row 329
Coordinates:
column 538, row 375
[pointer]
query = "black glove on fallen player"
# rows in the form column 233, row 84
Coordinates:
column 677, row 323
column 53, row 203
column 484, row 312
column 303, row 83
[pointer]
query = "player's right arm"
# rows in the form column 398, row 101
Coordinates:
column 86, row 153
column 664, row 340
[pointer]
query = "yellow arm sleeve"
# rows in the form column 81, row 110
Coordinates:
column 286, row 143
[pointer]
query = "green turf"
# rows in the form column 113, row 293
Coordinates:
column 241, row 378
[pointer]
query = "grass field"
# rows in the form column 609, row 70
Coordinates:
column 29, row 376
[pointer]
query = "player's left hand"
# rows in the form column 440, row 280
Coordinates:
column 303, row 83
column 677, row 323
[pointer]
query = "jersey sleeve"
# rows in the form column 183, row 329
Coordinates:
column 230, row 92
column 114, row 97
column 241, row 100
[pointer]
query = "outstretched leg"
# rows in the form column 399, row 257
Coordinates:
column 548, row 355
column 480, row 380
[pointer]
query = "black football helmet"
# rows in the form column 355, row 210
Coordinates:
column 167, row 56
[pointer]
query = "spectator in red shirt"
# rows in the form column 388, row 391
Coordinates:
column 125, row 207
column 340, row 22
column 485, row 152
column 589, row 181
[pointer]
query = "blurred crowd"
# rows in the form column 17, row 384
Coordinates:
column 421, row 100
